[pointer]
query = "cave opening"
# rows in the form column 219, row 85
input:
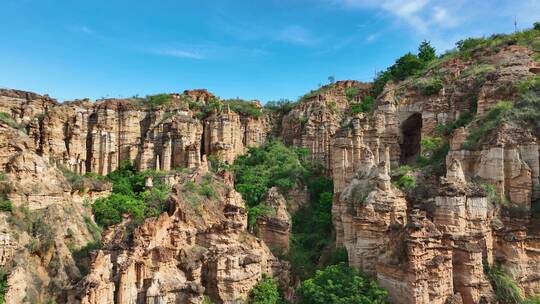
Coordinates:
column 411, row 132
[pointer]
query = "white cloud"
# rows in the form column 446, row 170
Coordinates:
column 422, row 15
column 297, row 35
column 83, row 29
column 178, row 53
column 372, row 37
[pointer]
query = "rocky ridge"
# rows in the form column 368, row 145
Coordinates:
column 428, row 243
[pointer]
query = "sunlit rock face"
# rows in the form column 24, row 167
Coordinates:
column 433, row 248
column 181, row 256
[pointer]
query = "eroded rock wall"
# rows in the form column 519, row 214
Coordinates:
column 182, row 256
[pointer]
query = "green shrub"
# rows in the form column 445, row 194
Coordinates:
column 276, row 165
column 265, row 292
column 351, row 93
column 340, row 284
column 5, row 205
column 81, row 256
column 255, row 212
column 3, row 285
column 487, row 123
column 506, row 289
column 282, row 105
column 244, row 107
column 469, row 44
column 263, row 168
column 6, row 118
column 406, row 182
column 207, row 191
column 157, row 100
column 207, row 300
column 430, row 87
column 131, row 197
column 463, row 120
column 367, row 105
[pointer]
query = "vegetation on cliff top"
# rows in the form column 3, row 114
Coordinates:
column 405, row 66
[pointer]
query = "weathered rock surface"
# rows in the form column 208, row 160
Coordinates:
column 182, row 256
column 437, row 254
column 275, row 228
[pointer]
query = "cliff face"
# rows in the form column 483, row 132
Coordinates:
column 50, row 219
column 186, row 253
column 97, row 137
column 468, row 199
column 432, row 245
column 44, row 219
column 313, row 122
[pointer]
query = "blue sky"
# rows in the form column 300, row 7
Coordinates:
column 251, row 49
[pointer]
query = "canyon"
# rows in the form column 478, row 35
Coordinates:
column 472, row 202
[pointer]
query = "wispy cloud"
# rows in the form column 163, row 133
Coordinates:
column 203, row 51
column 422, row 15
column 83, row 29
column 176, row 52
column 296, row 35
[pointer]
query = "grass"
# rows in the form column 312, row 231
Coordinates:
column 158, row 100
column 81, row 256
column 447, row 129
column 244, row 107
column 351, row 93
column 430, row 86
column 5, row 205
column 312, row 94
column 486, row 124
column 406, row 182
column 3, row 285
column 6, row 118
column 367, row 105
column 506, row 289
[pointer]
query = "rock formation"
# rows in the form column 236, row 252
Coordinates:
column 470, row 203
column 186, row 253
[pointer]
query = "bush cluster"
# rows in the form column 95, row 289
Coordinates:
column 265, row 292
column 506, row 289
column 3, row 285
column 405, row 66
column 341, row 284
column 431, row 86
column 282, row 106
column 276, row 165
column 365, row 106
column 248, row 108
column 158, row 100
column 129, row 196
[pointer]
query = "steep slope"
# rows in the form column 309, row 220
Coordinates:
column 448, row 121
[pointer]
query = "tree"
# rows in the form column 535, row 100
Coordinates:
column 426, row 52
column 265, row 292
column 407, row 65
column 331, row 79
column 341, row 284
column 536, row 26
